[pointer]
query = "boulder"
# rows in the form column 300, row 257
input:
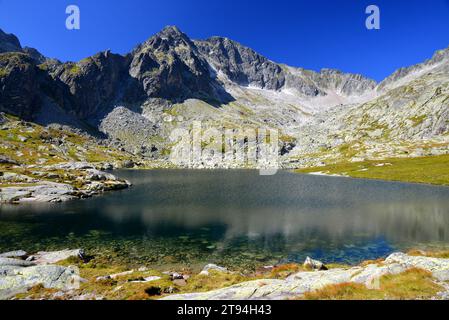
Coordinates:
column 51, row 277
column 14, row 254
column 314, row 264
column 45, row 258
column 128, row 164
column 213, row 267
column 6, row 160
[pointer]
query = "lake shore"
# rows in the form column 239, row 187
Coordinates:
column 423, row 170
column 73, row 275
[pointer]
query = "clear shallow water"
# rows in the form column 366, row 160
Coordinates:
column 236, row 218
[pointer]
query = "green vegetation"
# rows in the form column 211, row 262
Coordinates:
column 418, row 120
column 3, row 72
column 430, row 170
column 412, row 284
column 74, row 70
column 128, row 283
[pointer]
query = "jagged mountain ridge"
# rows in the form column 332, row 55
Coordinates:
column 171, row 66
column 170, row 81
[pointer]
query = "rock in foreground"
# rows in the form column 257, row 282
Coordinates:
column 303, row 282
column 19, row 275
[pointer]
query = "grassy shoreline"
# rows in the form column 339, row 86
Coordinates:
column 424, row 170
column 412, row 284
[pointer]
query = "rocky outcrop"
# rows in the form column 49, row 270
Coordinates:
column 9, row 43
column 409, row 73
column 213, row 267
column 18, row 276
column 169, row 66
column 19, row 85
column 298, row 284
column 94, row 83
column 241, row 64
column 90, row 182
column 52, row 257
column 314, row 264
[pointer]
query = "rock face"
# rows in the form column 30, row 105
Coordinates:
column 168, row 66
column 240, row 64
column 19, row 85
column 302, row 282
column 18, row 276
column 93, row 84
column 9, row 43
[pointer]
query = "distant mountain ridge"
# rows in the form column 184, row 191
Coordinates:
column 169, row 81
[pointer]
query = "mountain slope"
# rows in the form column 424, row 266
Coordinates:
column 135, row 101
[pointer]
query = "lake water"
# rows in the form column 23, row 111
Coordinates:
column 236, row 218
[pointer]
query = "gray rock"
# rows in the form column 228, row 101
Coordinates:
column 54, row 277
column 15, row 262
column 213, row 267
column 6, row 160
column 9, row 270
column 44, row 192
column 438, row 267
column 314, row 264
column 14, row 254
column 43, row 257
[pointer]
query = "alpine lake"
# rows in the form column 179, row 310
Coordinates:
column 235, row 218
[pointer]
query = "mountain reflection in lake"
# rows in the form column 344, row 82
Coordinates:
column 237, row 218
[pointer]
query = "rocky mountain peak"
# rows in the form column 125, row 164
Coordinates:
column 168, row 38
column 9, row 43
column 241, row 64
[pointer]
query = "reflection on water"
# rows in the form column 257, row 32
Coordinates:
column 237, row 218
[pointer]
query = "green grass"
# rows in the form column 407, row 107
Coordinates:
column 75, row 70
column 418, row 120
column 410, row 285
column 429, row 170
column 3, row 72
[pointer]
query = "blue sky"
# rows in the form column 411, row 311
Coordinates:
column 313, row 34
